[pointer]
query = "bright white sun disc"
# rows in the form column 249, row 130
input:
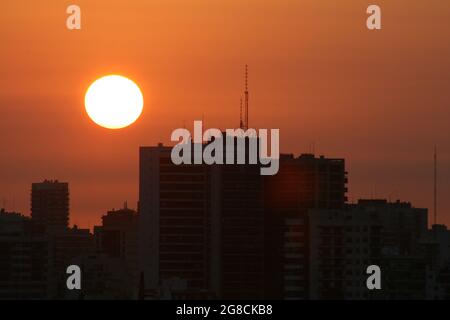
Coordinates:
column 114, row 102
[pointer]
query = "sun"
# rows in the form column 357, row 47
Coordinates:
column 114, row 102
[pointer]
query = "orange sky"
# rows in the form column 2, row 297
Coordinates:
column 379, row 99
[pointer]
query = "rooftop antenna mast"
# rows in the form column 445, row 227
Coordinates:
column 246, row 98
column 435, row 185
column 241, row 122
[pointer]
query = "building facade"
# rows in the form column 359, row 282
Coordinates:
column 344, row 242
column 50, row 204
column 302, row 183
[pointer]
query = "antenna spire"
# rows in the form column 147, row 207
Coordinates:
column 241, row 123
column 435, row 184
column 246, row 98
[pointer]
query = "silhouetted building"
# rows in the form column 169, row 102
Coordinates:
column 344, row 242
column 436, row 248
column 50, row 204
column 294, row 271
column 117, row 238
column 103, row 277
column 24, row 259
column 202, row 225
column 237, row 231
column 174, row 221
column 302, row 183
column 50, row 211
column 67, row 245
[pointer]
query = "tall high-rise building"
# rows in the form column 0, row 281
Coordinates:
column 174, row 220
column 229, row 230
column 302, row 183
column 201, row 224
column 50, row 204
column 237, row 231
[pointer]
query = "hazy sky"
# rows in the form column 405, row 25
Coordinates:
column 380, row 99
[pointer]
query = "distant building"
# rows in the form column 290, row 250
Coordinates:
column 302, row 183
column 50, row 204
column 201, row 224
column 174, row 221
column 50, row 211
column 293, row 274
column 117, row 238
column 237, row 231
column 103, row 278
column 344, row 242
column 67, row 245
column 436, row 249
column 24, row 259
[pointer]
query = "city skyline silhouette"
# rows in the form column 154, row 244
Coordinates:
column 93, row 95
